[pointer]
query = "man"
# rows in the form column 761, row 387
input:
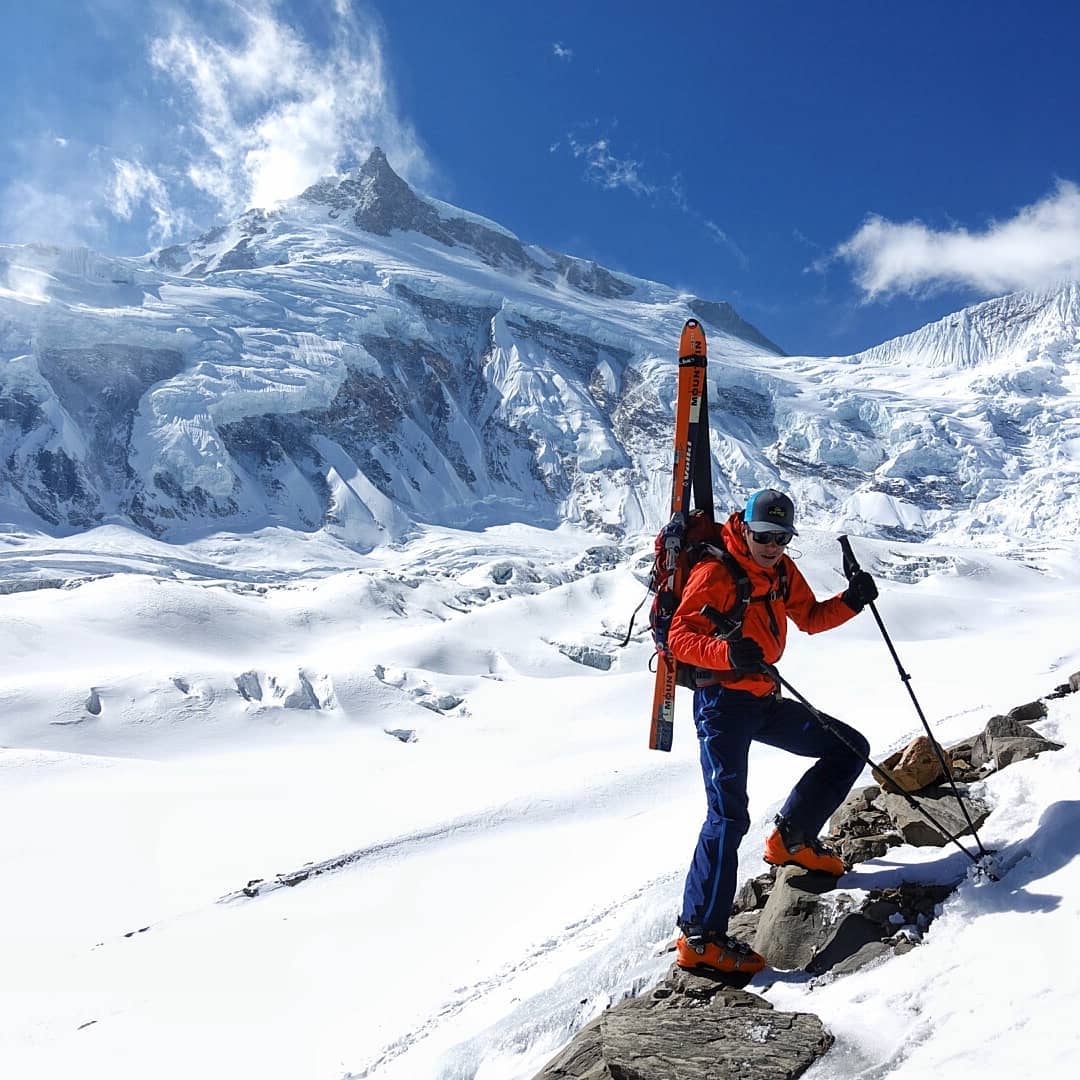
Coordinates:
column 736, row 702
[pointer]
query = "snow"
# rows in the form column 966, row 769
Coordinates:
column 518, row 866
column 379, row 673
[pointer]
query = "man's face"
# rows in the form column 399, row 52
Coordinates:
column 765, row 555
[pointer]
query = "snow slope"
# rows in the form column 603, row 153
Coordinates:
column 319, row 536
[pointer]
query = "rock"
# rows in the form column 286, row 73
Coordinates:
column 860, row 830
column 1009, row 751
column 915, row 767
column 588, row 656
column 692, row 1027
column 754, row 892
column 848, row 935
column 405, row 735
column 1025, row 714
column 942, row 804
column 249, row 687
column 795, row 923
column 871, row 951
column 1074, row 681
column 1002, row 730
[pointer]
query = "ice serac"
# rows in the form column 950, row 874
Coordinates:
column 365, row 357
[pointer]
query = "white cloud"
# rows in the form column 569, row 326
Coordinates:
column 561, row 51
column 718, row 236
column 31, row 210
column 604, row 168
column 271, row 114
column 1036, row 248
column 132, row 184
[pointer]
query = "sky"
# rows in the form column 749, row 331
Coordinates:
column 841, row 173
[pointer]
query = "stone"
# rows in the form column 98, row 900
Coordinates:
column 915, row 767
column 1010, row 751
column 1025, row 714
column 795, row 922
column 692, row 1027
column 871, row 951
column 847, row 936
column 942, row 804
column 1000, row 730
column 1074, row 681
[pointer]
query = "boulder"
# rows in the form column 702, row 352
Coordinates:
column 1074, row 681
column 795, row 923
column 998, row 735
column 1025, row 714
column 692, row 1027
column 942, row 804
column 915, row 767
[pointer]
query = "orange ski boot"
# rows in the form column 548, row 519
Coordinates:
column 809, row 854
column 717, row 952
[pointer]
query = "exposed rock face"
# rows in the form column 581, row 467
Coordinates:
column 692, row 1027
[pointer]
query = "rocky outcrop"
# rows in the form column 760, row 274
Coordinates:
column 693, row 1027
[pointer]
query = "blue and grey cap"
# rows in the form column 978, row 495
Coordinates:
column 769, row 510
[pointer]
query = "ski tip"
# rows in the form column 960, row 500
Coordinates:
column 692, row 344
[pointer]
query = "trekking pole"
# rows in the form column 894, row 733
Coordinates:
column 910, row 799
column 851, row 568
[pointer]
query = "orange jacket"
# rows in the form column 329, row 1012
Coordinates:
column 690, row 637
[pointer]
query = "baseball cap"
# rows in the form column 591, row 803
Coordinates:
column 770, row 509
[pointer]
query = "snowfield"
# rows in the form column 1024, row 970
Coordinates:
column 512, row 870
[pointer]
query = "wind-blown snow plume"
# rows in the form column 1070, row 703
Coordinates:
column 133, row 183
column 1033, row 250
column 272, row 113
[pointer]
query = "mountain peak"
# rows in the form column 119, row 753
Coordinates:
column 377, row 198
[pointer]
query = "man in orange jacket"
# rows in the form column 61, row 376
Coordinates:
column 736, row 703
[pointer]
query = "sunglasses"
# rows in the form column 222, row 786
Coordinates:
column 780, row 539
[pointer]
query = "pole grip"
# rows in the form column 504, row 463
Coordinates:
column 851, row 564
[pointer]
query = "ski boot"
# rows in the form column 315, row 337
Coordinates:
column 787, row 846
column 707, row 952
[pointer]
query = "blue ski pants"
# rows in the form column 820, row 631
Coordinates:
column 727, row 722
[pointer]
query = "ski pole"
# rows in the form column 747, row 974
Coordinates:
column 910, row 799
column 851, row 568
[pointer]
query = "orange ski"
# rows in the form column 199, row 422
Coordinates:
column 691, row 476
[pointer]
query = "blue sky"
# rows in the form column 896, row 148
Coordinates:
column 841, row 172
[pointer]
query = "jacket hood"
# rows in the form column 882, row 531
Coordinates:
column 737, row 546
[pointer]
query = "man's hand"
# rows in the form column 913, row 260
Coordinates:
column 861, row 591
column 745, row 654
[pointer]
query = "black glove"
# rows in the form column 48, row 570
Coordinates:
column 861, row 591
column 744, row 654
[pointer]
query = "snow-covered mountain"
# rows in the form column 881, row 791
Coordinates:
column 364, row 357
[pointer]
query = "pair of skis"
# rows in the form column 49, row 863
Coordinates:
column 691, row 478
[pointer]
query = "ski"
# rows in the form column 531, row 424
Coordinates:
column 691, row 477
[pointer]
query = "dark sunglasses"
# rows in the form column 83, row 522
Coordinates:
column 780, row 539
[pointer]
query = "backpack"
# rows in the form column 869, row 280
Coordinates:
column 680, row 545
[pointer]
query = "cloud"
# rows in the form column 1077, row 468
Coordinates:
column 32, row 211
column 270, row 113
column 562, row 52
column 133, row 184
column 718, row 236
column 604, row 168
column 1035, row 249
